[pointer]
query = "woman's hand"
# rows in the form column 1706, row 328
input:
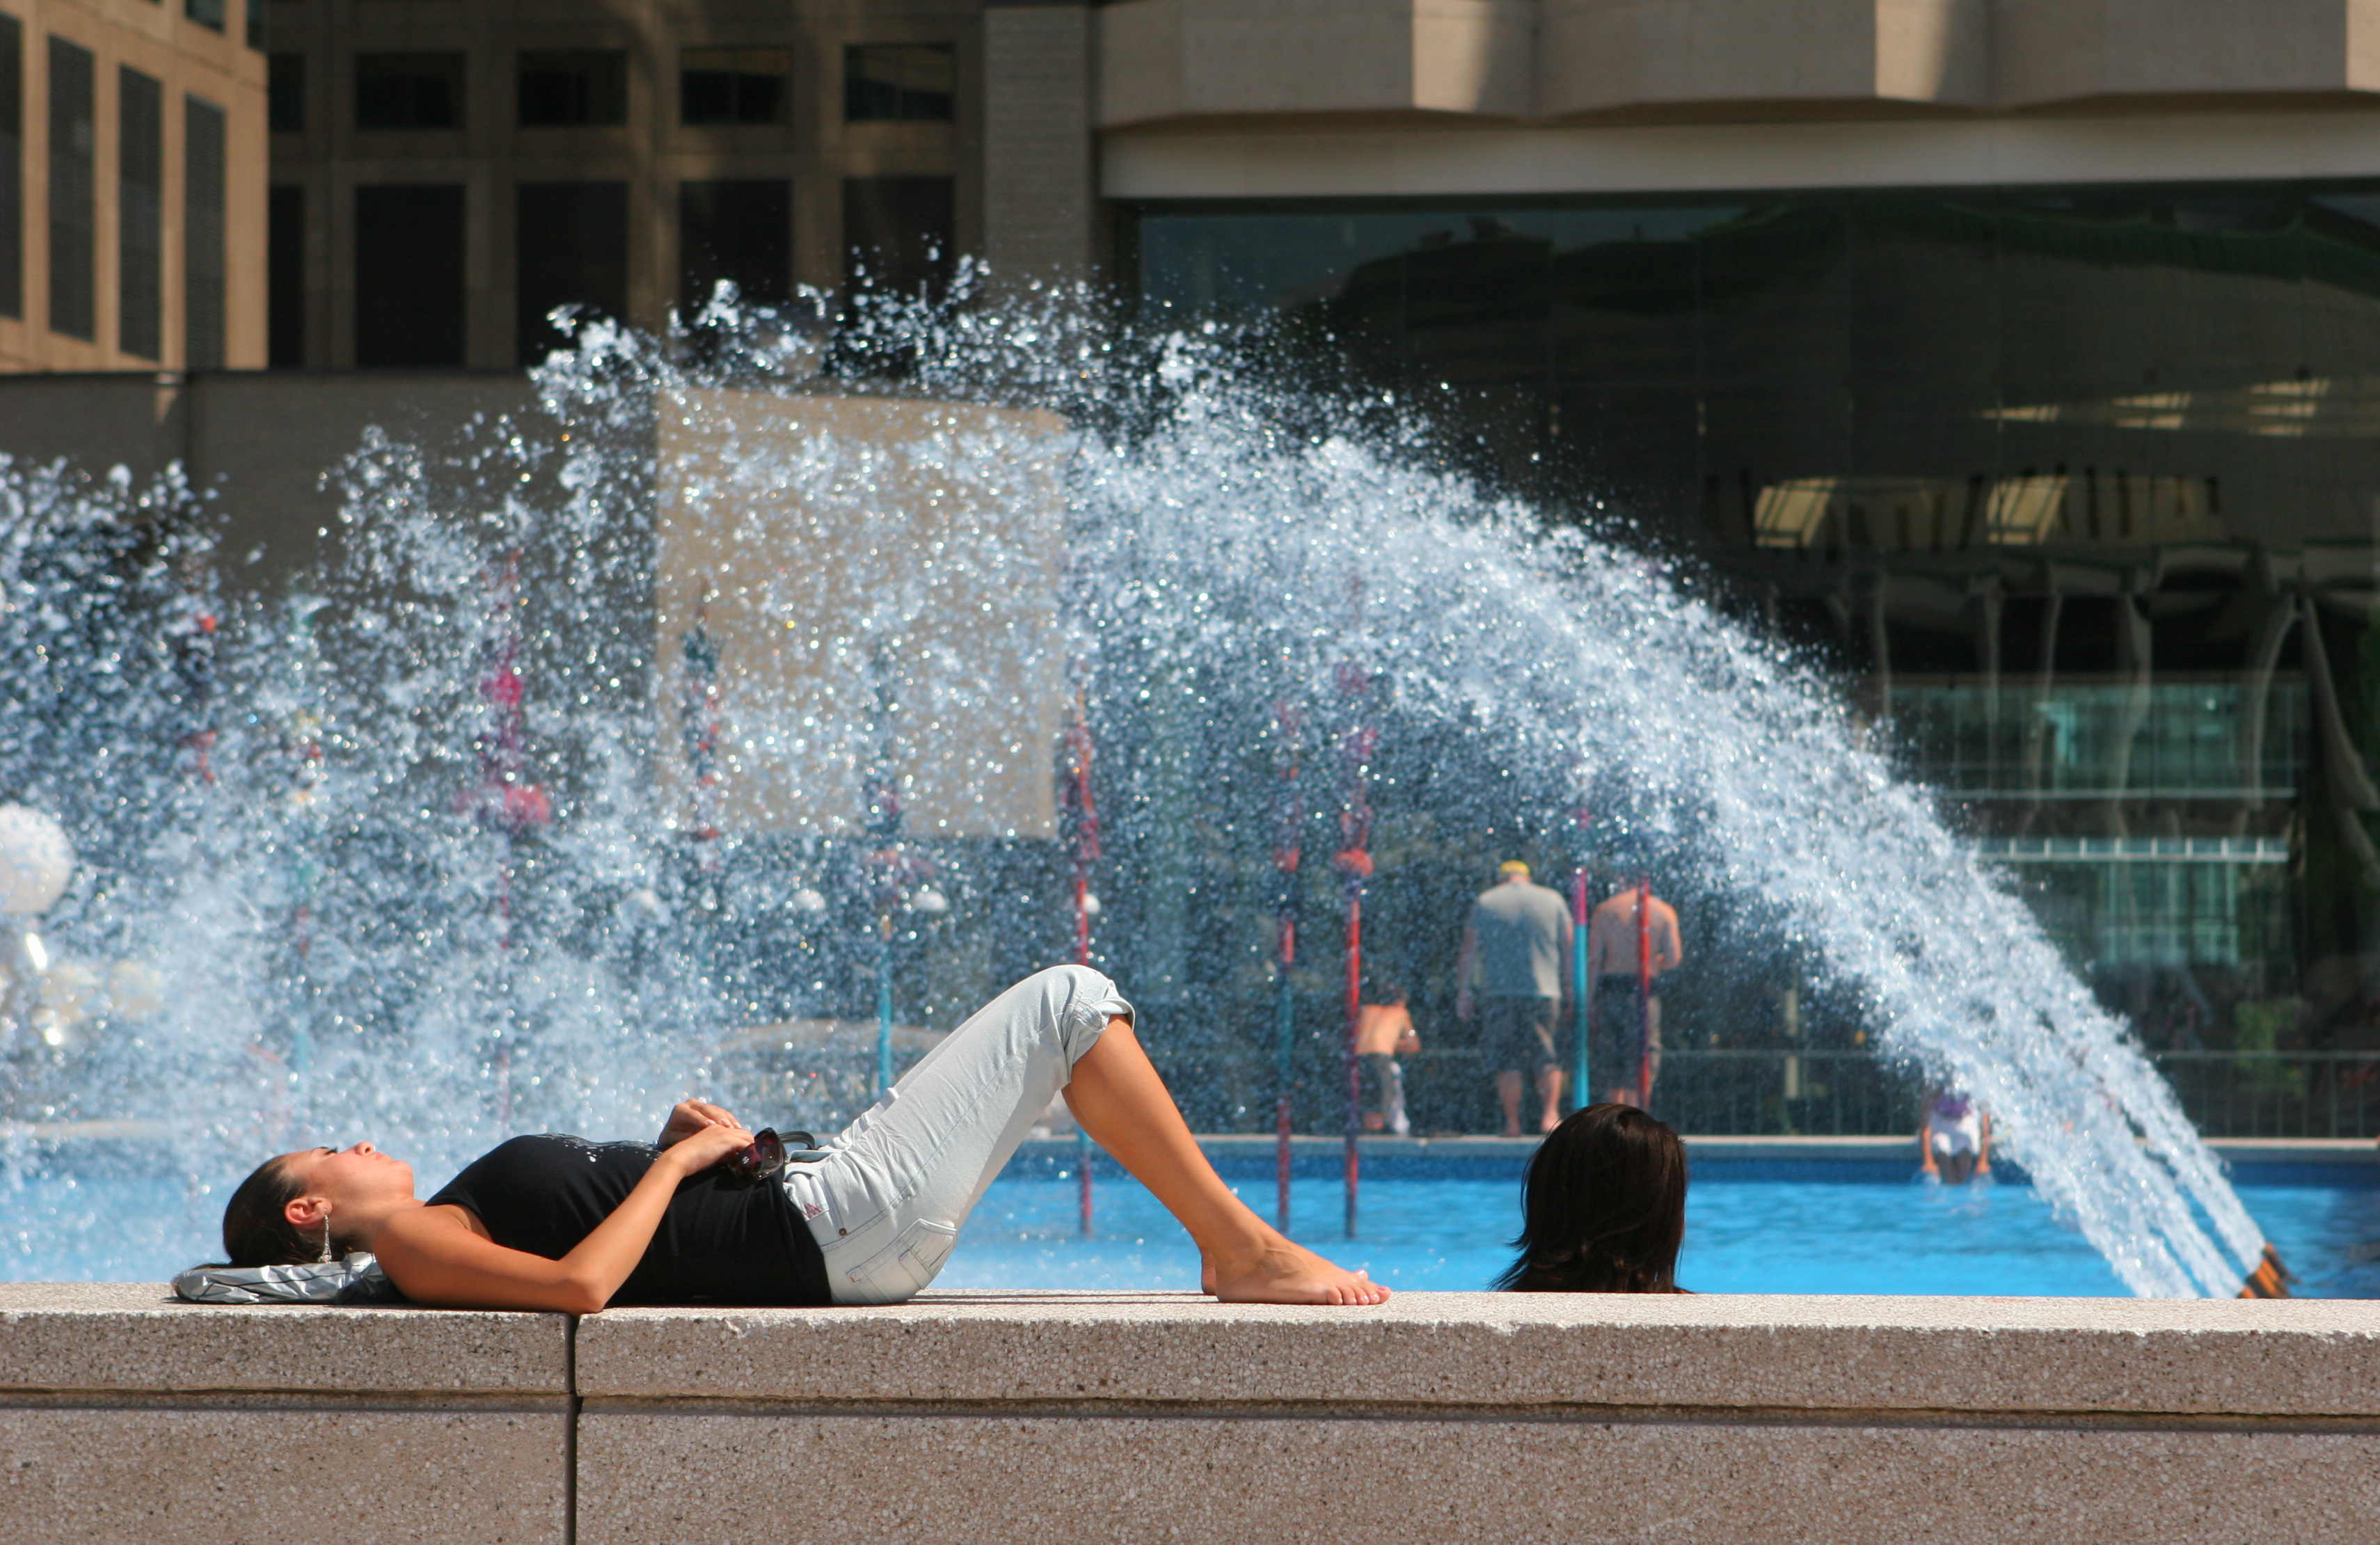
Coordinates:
column 697, row 1151
column 690, row 1116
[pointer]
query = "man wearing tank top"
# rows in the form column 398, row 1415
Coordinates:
column 1516, row 959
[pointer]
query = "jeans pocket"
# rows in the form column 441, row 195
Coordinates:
column 904, row 1267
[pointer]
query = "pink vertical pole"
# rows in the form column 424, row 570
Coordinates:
column 507, row 803
column 1644, row 990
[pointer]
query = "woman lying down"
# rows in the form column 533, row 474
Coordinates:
column 557, row 1222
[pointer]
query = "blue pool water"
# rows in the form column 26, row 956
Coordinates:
column 1744, row 1233
column 1796, row 1235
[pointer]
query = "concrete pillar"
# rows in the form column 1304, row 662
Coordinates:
column 1038, row 202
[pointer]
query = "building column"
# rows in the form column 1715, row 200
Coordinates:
column 1038, row 198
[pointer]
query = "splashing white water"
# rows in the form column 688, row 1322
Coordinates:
column 358, row 939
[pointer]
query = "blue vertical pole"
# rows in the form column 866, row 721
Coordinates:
column 1580, row 1092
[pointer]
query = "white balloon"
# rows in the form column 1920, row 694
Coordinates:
column 36, row 861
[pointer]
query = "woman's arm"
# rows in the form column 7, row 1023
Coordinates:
column 435, row 1256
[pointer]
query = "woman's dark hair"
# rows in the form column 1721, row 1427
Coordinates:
column 1604, row 1208
column 257, row 1230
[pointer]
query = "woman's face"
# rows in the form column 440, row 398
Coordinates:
column 351, row 1179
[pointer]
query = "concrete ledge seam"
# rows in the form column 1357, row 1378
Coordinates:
column 1569, row 1414
column 461, row 1402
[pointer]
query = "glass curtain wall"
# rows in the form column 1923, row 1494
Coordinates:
column 2079, row 487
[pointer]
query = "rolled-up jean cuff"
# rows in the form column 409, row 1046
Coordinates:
column 1083, row 1023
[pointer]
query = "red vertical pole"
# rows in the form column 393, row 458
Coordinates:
column 1354, row 863
column 1644, row 990
column 1355, row 1027
column 1289, row 817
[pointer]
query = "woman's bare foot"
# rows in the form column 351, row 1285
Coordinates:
column 1280, row 1273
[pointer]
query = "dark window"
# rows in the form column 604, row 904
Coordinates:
column 573, row 244
column 908, row 80
column 73, row 136
column 571, row 88
column 206, row 13
column 203, row 268
column 734, row 85
column 408, row 90
column 139, row 212
column 12, row 166
column 284, row 277
column 738, row 231
column 409, row 275
column 256, row 25
column 285, row 94
column 898, row 233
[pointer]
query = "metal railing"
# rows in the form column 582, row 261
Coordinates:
column 2276, row 1094
column 1853, row 1093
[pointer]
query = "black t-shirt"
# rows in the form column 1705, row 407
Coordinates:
column 721, row 1242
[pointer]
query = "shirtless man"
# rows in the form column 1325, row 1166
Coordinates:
column 1624, row 1038
column 1384, row 1031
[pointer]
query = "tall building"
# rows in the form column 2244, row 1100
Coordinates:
column 444, row 176
column 2016, row 354
column 132, row 185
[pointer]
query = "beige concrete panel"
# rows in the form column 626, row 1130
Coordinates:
column 1597, row 55
column 1057, row 1480
column 1934, row 51
column 271, row 437
column 1474, row 57
column 844, row 549
column 1037, row 205
column 1140, row 50
column 83, row 1337
column 220, row 1476
column 1162, row 59
column 2290, row 1358
column 95, row 421
column 1675, row 158
column 2062, row 50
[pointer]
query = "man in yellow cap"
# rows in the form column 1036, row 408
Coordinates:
column 1516, row 949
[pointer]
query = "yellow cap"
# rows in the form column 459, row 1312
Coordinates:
column 1513, row 866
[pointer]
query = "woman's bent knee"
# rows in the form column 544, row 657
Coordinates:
column 1080, row 1002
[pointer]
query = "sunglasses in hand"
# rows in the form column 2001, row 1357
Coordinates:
column 765, row 1155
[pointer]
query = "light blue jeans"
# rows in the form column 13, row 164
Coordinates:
column 887, row 1201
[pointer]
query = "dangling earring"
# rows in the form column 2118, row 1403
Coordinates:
column 326, row 1239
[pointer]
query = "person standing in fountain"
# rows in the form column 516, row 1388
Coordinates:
column 558, row 1222
column 1955, row 1144
column 1516, row 949
column 1627, row 1021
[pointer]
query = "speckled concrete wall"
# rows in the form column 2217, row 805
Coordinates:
column 1055, row 1418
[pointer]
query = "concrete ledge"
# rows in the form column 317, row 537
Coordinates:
column 1949, row 1358
column 1063, row 1418
column 127, row 1416
column 118, row 1337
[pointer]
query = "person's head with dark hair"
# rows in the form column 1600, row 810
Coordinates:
column 297, row 1206
column 1604, row 1208
column 1383, row 986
